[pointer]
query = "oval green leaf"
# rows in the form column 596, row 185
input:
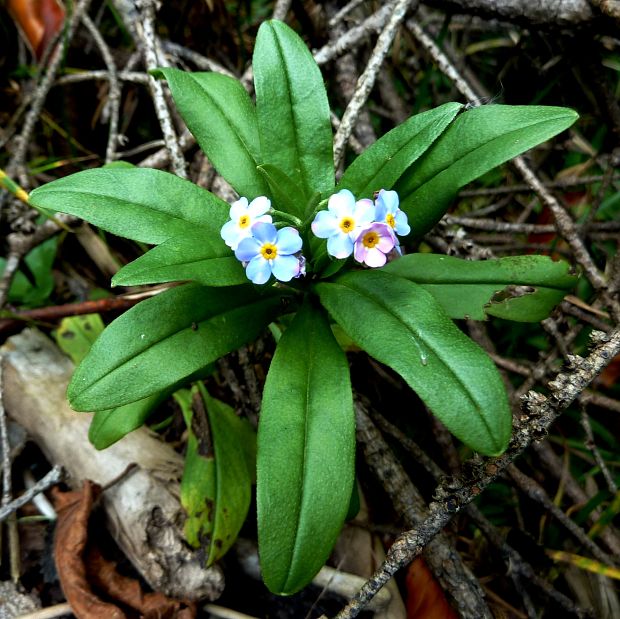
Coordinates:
column 306, row 451
column 520, row 288
column 167, row 339
column 75, row 337
column 195, row 256
column 137, row 203
column 476, row 142
column 383, row 163
column 292, row 108
column 402, row 325
column 220, row 114
column 109, row 426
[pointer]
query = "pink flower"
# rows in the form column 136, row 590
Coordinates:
column 373, row 243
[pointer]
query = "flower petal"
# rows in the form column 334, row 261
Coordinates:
column 230, row 233
column 339, row 246
column 247, row 249
column 402, row 224
column 381, row 211
column 263, row 218
column 259, row 206
column 258, row 270
column 360, row 251
column 375, row 258
column 264, row 232
column 238, row 208
column 364, row 212
column 325, row 224
column 387, row 240
column 341, row 204
column 288, row 241
column 284, row 268
column 389, row 199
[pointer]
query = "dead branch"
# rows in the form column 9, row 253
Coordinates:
column 143, row 509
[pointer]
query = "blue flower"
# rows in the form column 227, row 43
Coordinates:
column 388, row 211
column 342, row 222
column 242, row 217
column 269, row 251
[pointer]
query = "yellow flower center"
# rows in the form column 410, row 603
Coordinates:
column 269, row 251
column 370, row 239
column 347, row 224
column 389, row 219
column 244, row 221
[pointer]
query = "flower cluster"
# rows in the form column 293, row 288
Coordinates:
column 365, row 229
column 264, row 250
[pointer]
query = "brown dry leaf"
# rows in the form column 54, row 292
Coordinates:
column 81, row 568
column 103, row 575
column 69, row 544
column 38, row 20
column 425, row 598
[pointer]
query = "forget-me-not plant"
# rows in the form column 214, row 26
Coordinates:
column 293, row 234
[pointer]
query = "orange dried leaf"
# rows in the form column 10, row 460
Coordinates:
column 425, row 598
column 39, row 21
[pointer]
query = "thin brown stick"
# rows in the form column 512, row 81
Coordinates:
column 367, row 79
column 146, row 32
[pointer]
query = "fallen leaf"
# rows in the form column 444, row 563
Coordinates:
column 39, row 21
column 69, row 544
column 103, row 575
column 82, row 569
column 425, row 598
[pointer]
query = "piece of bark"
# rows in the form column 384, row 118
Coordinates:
column 143, row 509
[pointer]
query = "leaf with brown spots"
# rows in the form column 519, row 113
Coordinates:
column 219, row 467
column 82, row 569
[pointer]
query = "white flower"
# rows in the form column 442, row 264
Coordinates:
column 243, row 216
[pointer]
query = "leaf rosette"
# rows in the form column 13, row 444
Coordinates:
column 296, row 242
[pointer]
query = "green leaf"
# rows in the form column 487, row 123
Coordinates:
column 75, row 337
column 400, row 324
column 35, row 290
column 109, row 426
column 292, row 108
column 476, row 289
column 167, row 339
column 195, row 256
column 287, row 195
column 382, row 163
column 306, row 451
column 476, row 142
column 221, row 116
column 217, row 480
column 137, row 203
